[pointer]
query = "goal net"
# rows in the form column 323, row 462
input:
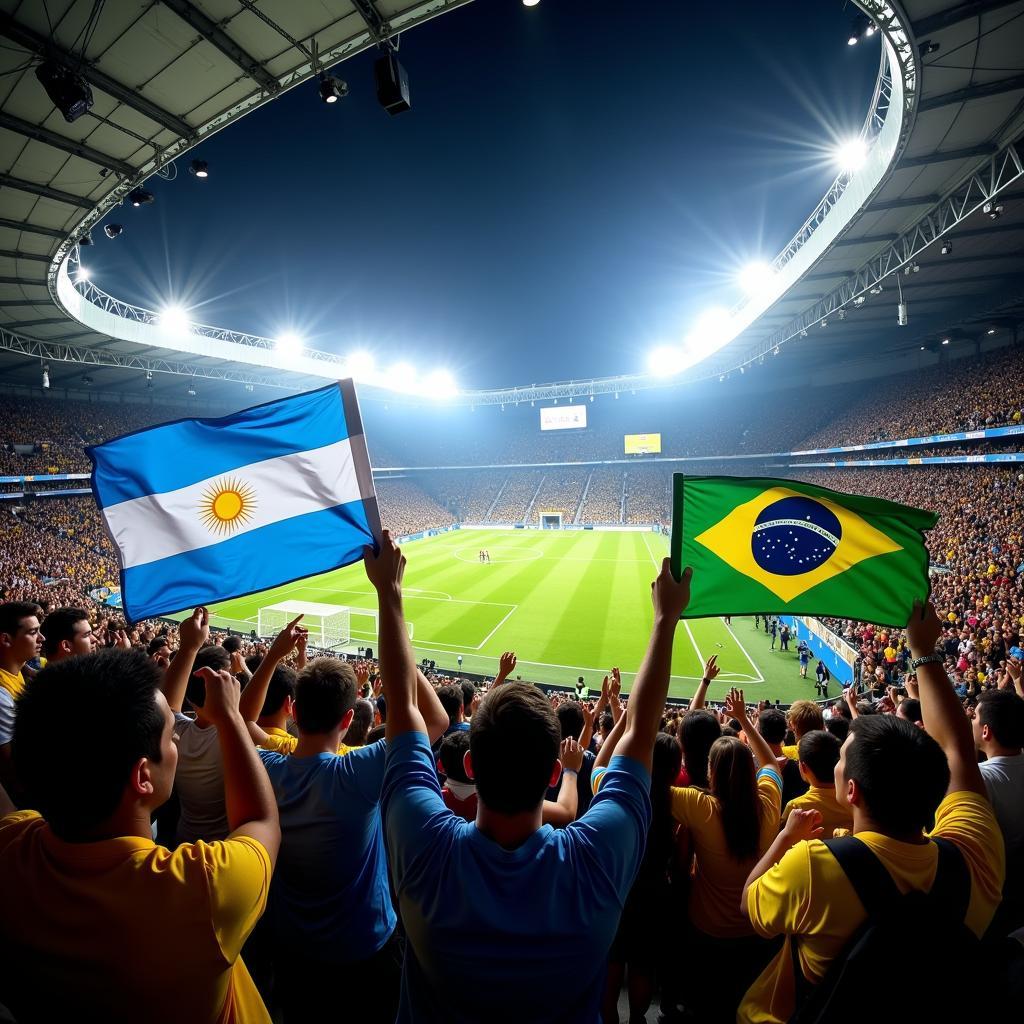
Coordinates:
column 330, row 625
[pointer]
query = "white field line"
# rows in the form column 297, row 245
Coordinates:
column 496, row 628
column 689, row 632
column 753, row 665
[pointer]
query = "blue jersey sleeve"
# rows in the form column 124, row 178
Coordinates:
column 416, row 819
column 613, row 832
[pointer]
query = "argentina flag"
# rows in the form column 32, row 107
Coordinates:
column 205, row 510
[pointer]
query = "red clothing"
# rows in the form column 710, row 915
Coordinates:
column 463, row 808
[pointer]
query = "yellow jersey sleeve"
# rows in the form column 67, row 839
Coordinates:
column 686, row 801
column 237, row 873
column 777, row 903
column 280, row 744
column 967, row 819
column 792, row 752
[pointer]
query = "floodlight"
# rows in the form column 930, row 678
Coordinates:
column 86, row 238
column 359, row 365
column 665, row 361
column 288, row 344
column 530, row 3
column 440, row 384
column 947, row 247
column 174, row 320
column 199, row 168
column 757, row 277
column 991, row 331
column 993, row 210
column 841, row 314
column 945, row 341
column 191, row 391
column 332, row 89
column 83, row 274
column 113, row 230
column 859, row 300
column 46, row 375
column 824, row 323
column 68, row 91
column 710, row 330
column 140, row 197
column 249, row 388
column 775, row 351
column 876, row 289
column 902, row 314
column 860, row 27
column 851, row 155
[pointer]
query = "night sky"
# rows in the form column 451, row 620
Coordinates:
column 571, row 188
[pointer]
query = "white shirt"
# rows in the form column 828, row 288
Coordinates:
column 1004, row 780
column 6, row 715
column 199, row 781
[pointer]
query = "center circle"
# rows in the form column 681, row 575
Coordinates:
column 794, row 535
column 227, row 505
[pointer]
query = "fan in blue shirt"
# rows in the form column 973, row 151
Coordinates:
column 507, row 919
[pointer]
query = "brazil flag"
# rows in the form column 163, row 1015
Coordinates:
column 780, row 546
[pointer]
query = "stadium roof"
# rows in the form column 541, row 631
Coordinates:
column 165, row 75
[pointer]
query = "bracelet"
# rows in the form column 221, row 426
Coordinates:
column 570, row 771
column 705, row 681
column 927, row 659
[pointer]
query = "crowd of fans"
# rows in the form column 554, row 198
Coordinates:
column 409, row 508
column 561, row 492
column 603, row 501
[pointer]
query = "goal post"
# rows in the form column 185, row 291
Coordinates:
column 549, row 520
column 330, row 626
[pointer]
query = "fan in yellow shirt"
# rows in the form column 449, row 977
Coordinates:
column 99, row 922
column 894, row 777
column 803, row 717
column 819, row 753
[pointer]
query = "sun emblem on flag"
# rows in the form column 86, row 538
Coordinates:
column 227, row 505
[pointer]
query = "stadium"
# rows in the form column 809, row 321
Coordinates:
column 876, row 349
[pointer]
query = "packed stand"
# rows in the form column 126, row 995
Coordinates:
column 468, row 493
column 603, row 502
column 409, row 508
column 516, row 496
column 561, row 493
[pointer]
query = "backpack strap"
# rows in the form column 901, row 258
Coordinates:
column 952, row 886
column 867, row 874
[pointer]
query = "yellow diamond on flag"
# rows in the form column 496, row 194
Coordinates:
column 790, row 542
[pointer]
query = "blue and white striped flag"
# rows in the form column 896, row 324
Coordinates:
column 202, row 511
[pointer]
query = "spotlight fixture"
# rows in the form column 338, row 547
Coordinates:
column 824, row 323
column 332, row 89
column 803, row 333
column 113, row 230
column 947, row 247
column 742, row 370
column 775, row 351
column 392, row 84
column 46, row 375
column 927, row 47
column 149, row 375
column 841, row 314
column 83, row 274
column 902, row 314
column 199, row 168
column 876, row 289
column 861, row 27
column 993, row 210
column 140, row 197
column 859, row 300
column 249, row 388
column 530, row 3
column 86, row 238
column 945, row 341
column 191, row 391
column 850, row 156
column 922, row 348
column 991, row 331
column 68, row 91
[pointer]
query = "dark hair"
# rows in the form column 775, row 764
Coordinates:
column 231, row 644
column 59, row 626
column 211, row 656
column 838, row 727
column 606, row 723
column 734, row 784
column 468, row 693
column 697, row 733
column 514, row 739
column 1003, row 712
column 453, row 751
column 158, row 643
column 324, row 693
column 771, row 724
column 571, row 720
column 901, row 771
column 362, row 722
column 819, row 752
column 912, row 709
column 279, row 689
column 13, row 612
column 450, row 697
column 55, row 704
column 377, row 733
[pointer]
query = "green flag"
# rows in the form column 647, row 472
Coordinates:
column 784, row 547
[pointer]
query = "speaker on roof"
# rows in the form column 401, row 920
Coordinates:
column 392, row 84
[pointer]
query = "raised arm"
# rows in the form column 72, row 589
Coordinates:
column 506, row 666
column 650, row 688
column 562, row 812
column 255, row 693
column 711, row 670
column 192, row 634
column 397, row 664
column 941, row 712
column 248, row 796
column 435, row 718
column 801, row 824
column 604, row 755
column 736, row 708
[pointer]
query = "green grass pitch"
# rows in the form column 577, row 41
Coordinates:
column 569, row 603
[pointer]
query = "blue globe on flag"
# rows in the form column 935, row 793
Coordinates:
column 795, row 535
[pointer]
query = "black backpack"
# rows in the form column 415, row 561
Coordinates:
column 906, row 962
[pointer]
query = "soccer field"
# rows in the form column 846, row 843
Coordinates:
column 568, row 603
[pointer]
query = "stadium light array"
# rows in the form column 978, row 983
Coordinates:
column 140, row 197
column 862, row 27
column 288, row 344
column 332, row 88
column 530, row 3
column 665, row 361
column 756, row 278
column 440, row 384
column 83, row 273
column 199, row 169
column 175, row 320
column 851, row 155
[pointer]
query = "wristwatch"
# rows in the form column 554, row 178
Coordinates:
column 928, row 659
